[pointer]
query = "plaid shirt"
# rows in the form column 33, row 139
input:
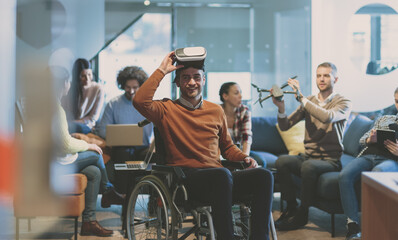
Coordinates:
column 242, row 129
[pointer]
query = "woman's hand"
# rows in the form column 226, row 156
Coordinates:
column 251, row 162
column 372, row 137
column 391, row 146
column 167, row 64
column 95, row 148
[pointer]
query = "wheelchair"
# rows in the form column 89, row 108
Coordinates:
column 159, row 205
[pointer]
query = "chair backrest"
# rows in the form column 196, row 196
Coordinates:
column 358, row 127
column 160, row 148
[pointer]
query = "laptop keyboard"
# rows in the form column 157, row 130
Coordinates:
column 133, row 165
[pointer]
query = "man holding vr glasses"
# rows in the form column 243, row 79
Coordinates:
column 195, row 132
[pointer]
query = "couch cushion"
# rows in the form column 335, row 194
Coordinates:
column 266, row 137
column 355, row 131
column 264, row 159
column 294, row 138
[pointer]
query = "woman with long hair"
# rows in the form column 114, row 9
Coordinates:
column 238, row 115
column 85, row 99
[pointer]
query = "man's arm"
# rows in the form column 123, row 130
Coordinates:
column 246, row 129
column 143, row 99
column 107, row 118
column 340, row 112
column 285, row 122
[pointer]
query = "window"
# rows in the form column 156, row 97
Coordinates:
column 143, row 44
column 216, row 79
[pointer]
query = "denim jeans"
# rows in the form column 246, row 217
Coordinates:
column 88, row 158
column 77, row 127
column 351, row 173
column 218, row 187
column 92, row 165
column 93, row 175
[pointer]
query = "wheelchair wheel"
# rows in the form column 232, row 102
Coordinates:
column 241, row 219
column 150, row 212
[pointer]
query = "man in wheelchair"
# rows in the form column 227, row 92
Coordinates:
column 194, row 132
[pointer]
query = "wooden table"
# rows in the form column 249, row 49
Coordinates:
column 379, row 206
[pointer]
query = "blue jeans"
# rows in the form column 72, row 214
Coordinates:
column 77, row 127
column 88, row 158
column 351, row 173
column 92, row 165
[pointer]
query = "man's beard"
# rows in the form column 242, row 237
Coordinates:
column 129, row 96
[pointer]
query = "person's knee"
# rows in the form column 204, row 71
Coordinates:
column 282, row 161
column 264, row 175
column 377, row 169
column 221, row 180
column 92, row 173
column 349, row 173
column 223, row 176
column 386, row 166
column 308, row 168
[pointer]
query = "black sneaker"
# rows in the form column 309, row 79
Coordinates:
column 289, row 212
column 300, row 219
column 354, row 232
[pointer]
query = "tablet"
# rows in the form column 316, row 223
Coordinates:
column 383, row 135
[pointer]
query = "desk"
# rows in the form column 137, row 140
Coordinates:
column 379, row 206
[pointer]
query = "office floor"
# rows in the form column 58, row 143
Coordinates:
column 57, row 228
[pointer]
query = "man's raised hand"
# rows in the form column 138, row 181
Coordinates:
column 167, row 64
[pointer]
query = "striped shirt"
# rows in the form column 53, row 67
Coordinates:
column 324, row 126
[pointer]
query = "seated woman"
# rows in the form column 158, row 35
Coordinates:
column 85, row 100
column 238, row 115
column 85, row 158
column 376, row 157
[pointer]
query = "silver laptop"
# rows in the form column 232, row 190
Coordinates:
column 124, row 135
column 137, row 165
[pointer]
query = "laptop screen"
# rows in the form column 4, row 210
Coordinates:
column 124, row 135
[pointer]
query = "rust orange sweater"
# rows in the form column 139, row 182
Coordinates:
column 193, row 138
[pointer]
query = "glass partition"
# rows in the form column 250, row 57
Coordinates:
column 226, row 32
column 373, row 36
column 143, row 44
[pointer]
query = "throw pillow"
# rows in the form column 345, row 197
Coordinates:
column 294, row 138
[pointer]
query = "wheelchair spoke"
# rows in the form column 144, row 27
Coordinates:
column 148, row 213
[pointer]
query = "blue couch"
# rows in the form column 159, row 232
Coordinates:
column 268, row 145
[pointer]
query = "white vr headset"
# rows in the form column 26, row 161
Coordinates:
column 190, row 54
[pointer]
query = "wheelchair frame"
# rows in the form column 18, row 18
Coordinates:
column 154, row 210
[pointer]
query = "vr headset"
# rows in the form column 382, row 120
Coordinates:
column 190, row 57
column 190, row 54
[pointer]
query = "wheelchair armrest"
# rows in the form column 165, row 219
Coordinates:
column 177, row 171
column 234, row 165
